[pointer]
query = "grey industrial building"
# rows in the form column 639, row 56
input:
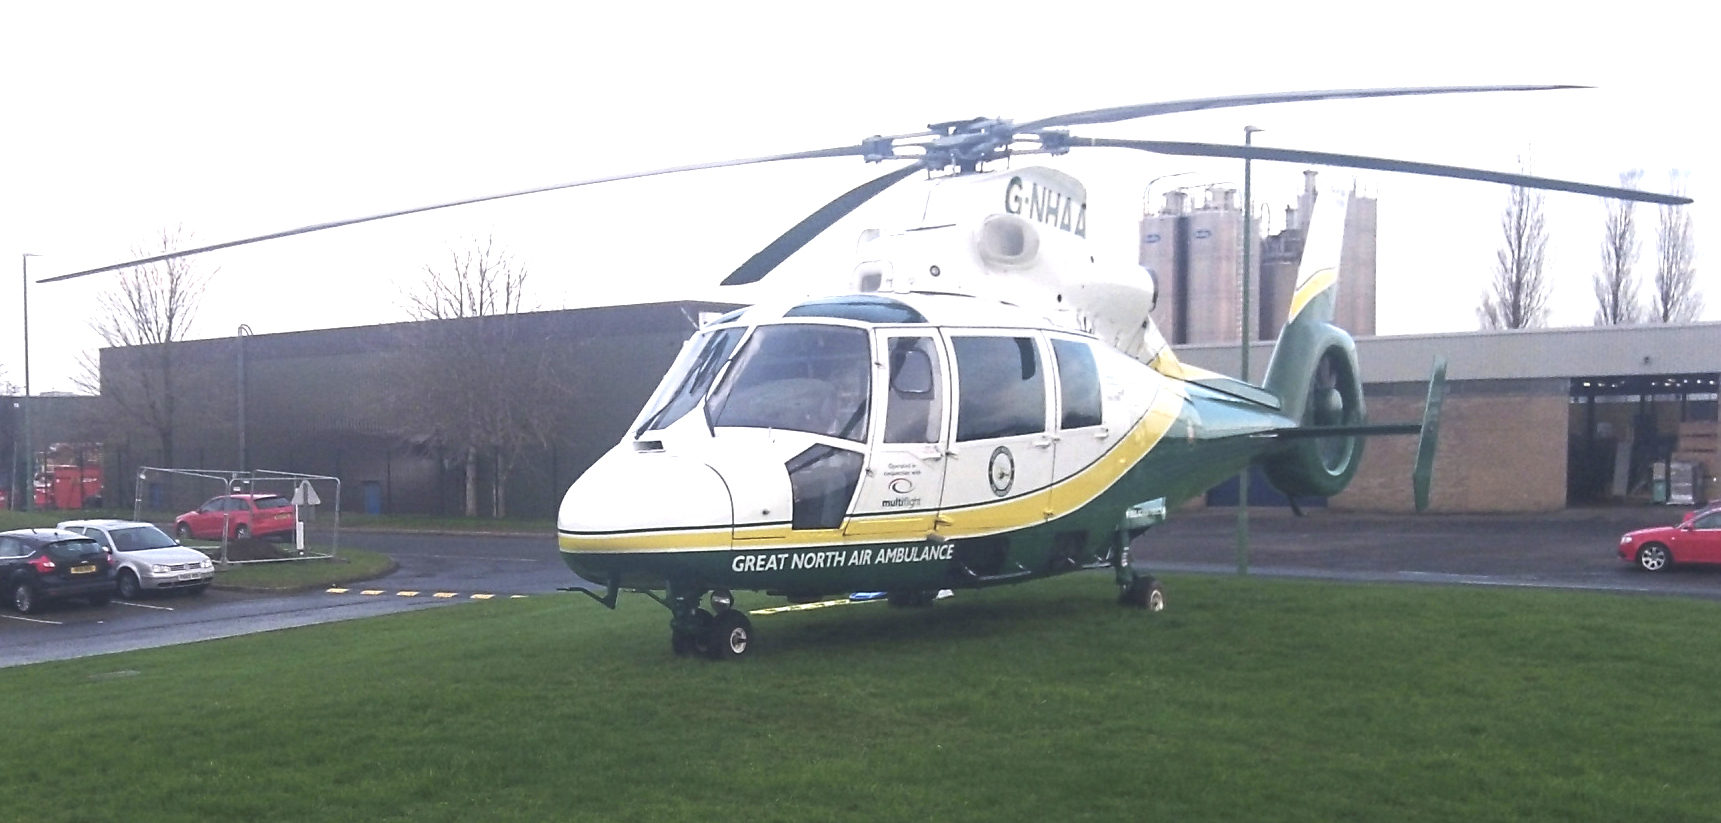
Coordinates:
column 1535, row 420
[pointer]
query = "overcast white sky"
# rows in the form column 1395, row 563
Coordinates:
column 232, row 119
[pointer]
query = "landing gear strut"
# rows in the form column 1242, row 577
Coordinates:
column 726, row 635
column 1136, row 590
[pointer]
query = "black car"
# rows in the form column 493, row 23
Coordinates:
column 39, row 565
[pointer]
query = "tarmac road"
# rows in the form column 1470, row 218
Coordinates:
column 1576, row 548
column 435, row 570
column 1571, row 549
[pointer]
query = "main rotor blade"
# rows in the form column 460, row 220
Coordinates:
column 791, row 241
column 1120, row 113
column 840, row 151
column 1355, row 161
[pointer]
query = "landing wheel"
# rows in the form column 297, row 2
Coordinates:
column 1143, row 593
column 730, row 636
column 692, row 639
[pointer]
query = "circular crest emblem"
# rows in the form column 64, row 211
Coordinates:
column 1001, row 471
column 901, row 485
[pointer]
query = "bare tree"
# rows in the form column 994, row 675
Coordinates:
column 1615, row 286
column 1518, row 297
column 475, row 379
column 150, row 309
column 1676, row 297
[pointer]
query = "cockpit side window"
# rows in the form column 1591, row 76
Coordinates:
column 809, row 378
column 1078, row 384
column 692, row 376
column 1001, row 387
column 914, row 407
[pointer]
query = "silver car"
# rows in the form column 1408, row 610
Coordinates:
column 147, row 558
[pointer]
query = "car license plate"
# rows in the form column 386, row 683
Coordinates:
column 84, row 569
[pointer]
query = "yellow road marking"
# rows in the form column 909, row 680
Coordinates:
column 516, row 597
column 482, row 596
column 371, row 591
column 406, row 594
column 338, row 591
column 801, row 607
column 444, row 594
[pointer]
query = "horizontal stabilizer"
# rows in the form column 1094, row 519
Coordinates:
column 1236, row 388
column 1305, row 432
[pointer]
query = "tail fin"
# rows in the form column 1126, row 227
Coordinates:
column 1313, row 372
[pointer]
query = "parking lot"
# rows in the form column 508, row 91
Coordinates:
column 434, row 570
column 1571, row 549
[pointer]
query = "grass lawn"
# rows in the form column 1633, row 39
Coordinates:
column 351, row 565
column 1249, row 700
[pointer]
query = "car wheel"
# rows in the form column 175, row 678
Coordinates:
column 24, row 598
column 128, row 586
column 183, row 530
column 241, row 532
column 1653, row 557
column 731, row 636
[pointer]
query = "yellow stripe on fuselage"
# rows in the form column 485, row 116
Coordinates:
column 1029, row 510
column 1318, row 282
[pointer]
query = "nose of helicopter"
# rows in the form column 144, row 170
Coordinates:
column 642, row 501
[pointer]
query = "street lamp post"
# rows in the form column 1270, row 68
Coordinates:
column 1248, row 244
column 29, row 491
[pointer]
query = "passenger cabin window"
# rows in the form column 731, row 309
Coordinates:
column 1708, row 521
column 1001, row 387
column 1078, row 384
column 914, row 408
column 11, row 548
column 809, row 378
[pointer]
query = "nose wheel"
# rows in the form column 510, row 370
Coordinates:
column 725, row 635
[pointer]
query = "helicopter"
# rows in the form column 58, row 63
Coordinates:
column 986, row 404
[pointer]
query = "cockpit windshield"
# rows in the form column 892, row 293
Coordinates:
column 691, row 376
column 809, row 378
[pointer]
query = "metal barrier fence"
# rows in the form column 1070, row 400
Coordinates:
column 166, row 494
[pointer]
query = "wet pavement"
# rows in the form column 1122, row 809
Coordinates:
column 1570, row 549
column 1576, row 548
column 435, row 570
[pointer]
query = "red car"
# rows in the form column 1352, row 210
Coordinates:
column 244, row 515
column 1696, row 540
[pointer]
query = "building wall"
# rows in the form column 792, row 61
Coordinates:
column 1502, row 448
column 319, row 403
